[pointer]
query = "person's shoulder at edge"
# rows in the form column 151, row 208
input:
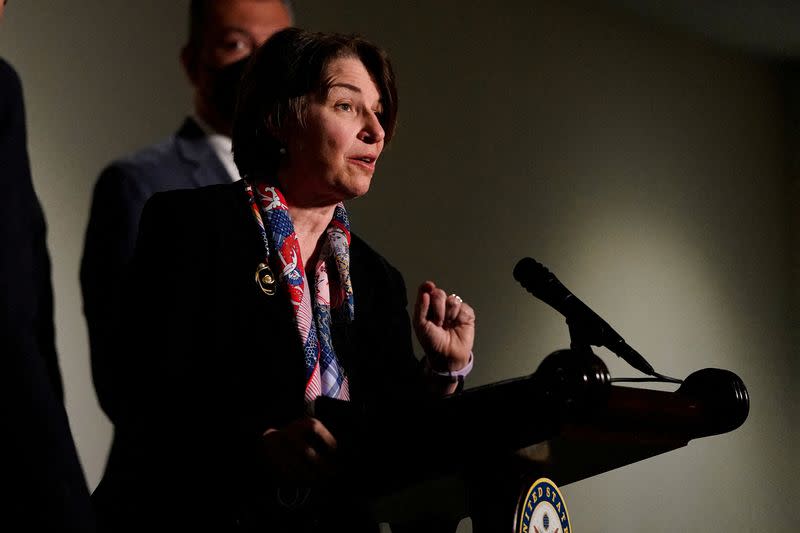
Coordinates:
column 7, row 72
column 10, row 96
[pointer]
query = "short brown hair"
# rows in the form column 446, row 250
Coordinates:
column 287, row 69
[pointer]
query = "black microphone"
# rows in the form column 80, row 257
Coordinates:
column 543, row 284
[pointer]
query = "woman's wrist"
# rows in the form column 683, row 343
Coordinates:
column 449, row 375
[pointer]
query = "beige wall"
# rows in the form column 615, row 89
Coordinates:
column 645, row 167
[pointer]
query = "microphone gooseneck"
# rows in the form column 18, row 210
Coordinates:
column 592, row 329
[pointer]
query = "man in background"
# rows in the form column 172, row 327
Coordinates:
column 222, row 36
column 42, row 480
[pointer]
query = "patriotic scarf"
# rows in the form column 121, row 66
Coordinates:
column 312, row 316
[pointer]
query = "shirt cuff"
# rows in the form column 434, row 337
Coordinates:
column 451, row 376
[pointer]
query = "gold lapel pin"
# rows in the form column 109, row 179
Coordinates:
column 265, row 279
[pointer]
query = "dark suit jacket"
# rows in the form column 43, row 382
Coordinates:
column 42, row 480
column 184, row 161
column 209, row 363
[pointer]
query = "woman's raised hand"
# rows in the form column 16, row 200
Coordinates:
column 445, row 327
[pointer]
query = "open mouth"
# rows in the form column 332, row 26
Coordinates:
column 364, row 161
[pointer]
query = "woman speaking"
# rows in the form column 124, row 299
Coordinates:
column 250, row 300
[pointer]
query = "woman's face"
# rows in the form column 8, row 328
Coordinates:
column 333, row 157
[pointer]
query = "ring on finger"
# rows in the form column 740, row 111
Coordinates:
column 457, row 297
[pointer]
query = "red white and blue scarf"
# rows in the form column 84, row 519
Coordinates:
column 324, row 376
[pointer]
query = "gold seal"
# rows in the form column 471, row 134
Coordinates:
column 542, row 509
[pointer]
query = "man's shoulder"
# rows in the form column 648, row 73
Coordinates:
column 151, row 161
column 158, row 167
column 185, row 160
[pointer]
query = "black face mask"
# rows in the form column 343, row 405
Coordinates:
column 224, row 88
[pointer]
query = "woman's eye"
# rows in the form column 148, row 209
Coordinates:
column 344, row 106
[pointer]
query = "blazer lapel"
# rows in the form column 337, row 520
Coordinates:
column 346, row 334
column 195, row 150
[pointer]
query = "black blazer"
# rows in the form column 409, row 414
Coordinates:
column 208, row 363
column 42, row 481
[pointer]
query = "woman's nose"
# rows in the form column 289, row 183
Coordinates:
column 372, row 132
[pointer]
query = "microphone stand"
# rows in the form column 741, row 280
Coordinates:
column 579, row 337
column 584, row 334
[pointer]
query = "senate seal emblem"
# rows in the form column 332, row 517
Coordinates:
column 543, row 509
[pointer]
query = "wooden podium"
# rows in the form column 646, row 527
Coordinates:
column 566, row 422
